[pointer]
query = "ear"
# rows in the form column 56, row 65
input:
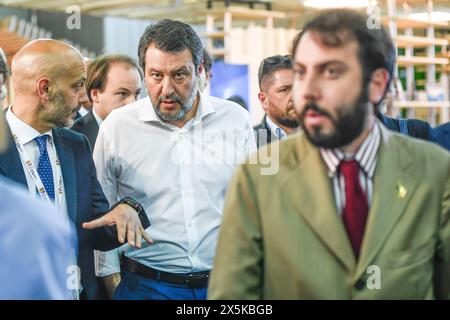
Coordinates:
column 95, row 95
column 262, row 98
column 200, row 68
column 43, row 89
column 378, row 84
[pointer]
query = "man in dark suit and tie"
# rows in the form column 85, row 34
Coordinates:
column 55, row 164
column 442, row 134
column 275, row 78
column 112, row 82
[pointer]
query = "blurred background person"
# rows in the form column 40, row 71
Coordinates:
column 112, row 82
column 387, row 114
column 239, row 100
column 442, row 135
column 4, row 72
column 275, row 77
column 206, row 75
column 85, row 104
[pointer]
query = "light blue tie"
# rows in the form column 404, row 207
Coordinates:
column 44, row 168
column 279, row 133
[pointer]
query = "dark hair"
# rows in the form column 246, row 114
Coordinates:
column 3, row 67
column 239, row 100
column 97, row 71
column 336, row 27
column 171, row 36
column 207, row 61
column 272, row 64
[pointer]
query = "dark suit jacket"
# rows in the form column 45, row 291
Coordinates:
column 263, row 134
column 84, row 196
column 416, row 128
column 442, row 134
column 88, row 126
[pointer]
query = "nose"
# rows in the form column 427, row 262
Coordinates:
column 167, row 87
column 309, row 88
column 83, row 98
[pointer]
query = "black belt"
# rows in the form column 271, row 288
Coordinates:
column 192, row 280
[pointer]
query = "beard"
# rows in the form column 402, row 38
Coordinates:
column 288, row 122
column 185, row 106
column 55, row 112
column 348, row 123
column 282, row 117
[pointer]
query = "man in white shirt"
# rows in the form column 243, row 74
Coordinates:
column 174, row 152
column 275, row 78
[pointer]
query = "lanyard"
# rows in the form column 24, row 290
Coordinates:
column 59, row 190
column 26, row 159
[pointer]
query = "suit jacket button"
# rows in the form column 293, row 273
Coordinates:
column 360, row 284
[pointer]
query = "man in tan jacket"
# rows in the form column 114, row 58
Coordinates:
column 353, row 211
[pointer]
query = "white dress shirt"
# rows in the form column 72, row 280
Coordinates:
column 276, row 130
column 97, row 118
column 179, row 175
column 26, row 136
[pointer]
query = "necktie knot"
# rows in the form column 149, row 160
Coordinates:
column 42, row 142
column 349, row 168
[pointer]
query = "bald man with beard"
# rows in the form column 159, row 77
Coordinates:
column 55, row 164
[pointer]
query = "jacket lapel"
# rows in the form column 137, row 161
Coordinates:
column 67, row 161
column 393, row 189
column 309, row 182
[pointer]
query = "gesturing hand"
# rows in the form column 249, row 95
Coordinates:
column 127, row 222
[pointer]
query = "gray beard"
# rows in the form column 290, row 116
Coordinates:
column 185, row 107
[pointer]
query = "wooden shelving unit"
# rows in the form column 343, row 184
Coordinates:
column 422, row 104
column 406, row 61
column 418, row 42
column 219, row 23
column 406, row 41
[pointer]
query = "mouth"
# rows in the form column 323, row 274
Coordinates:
column 314, row 118
column 169, row 103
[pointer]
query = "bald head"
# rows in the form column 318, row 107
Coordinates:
column 42, row 58
column 48, row 80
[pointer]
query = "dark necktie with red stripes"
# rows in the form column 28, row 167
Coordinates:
column 356, row 207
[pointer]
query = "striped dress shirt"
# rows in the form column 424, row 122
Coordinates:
column 366, row 156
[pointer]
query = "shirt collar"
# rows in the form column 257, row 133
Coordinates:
column 366, row 155
column 97, row 118
column 275, row 129
column 23, row 131
column 148, row 113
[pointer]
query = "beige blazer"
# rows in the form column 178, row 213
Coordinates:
column 283, row 238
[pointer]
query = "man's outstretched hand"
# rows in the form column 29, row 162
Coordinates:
column 128, row 225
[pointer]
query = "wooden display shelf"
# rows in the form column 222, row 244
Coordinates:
column 214, row 35
column 405, row 61
column 217, row 52
column 405, row 41
column 422, row 104
column 403, row 23
column 246, row 13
